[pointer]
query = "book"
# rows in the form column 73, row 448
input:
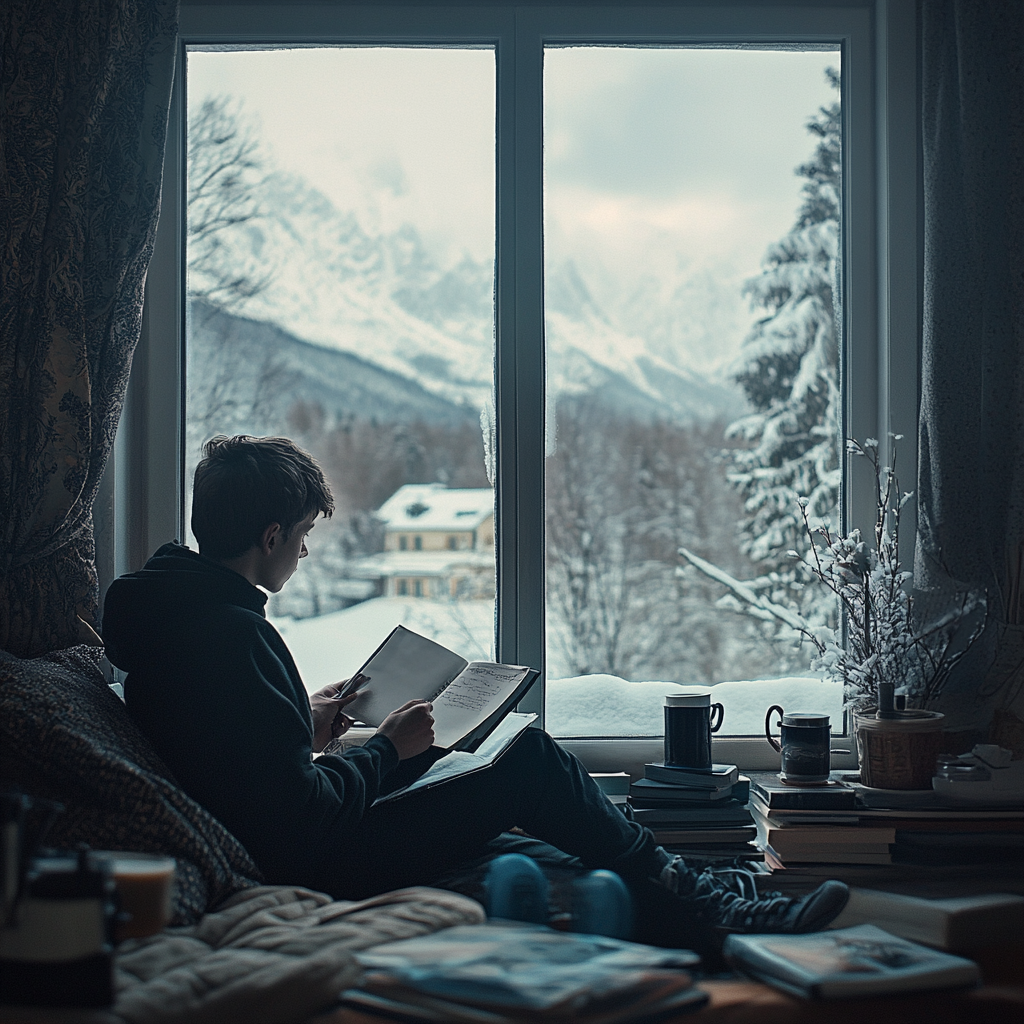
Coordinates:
column 720, row 776
column 859, row 961
column 469, row 698
column 612, row 783
column 776, row 794
column 503, row 970
column 860, row 853
column 712, row 814
column 457, row 763
column 676, row 835
column 790, row 816
column 714, row 854
column 650, row 789
column 924, row 847
column 824, row 855
column 785, row 836
column 946, row 818
column 912, row 878
column 957, row 923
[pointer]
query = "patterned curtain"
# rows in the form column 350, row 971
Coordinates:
column 971, row 432
column 84, row 94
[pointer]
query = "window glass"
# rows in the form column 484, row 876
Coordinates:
column 691, row 207
column 340, row 251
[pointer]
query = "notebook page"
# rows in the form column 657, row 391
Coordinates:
column 478, row 690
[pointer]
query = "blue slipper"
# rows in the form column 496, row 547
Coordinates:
column 602, row 905
column 517, row 889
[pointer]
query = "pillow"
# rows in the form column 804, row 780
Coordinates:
column 65, row 735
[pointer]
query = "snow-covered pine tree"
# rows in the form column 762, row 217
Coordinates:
column 788, row 369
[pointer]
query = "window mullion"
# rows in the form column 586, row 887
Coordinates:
column 520, row 352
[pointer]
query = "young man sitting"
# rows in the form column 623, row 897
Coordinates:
column 214, row 687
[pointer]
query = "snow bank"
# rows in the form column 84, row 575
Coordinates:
column 332, row 647
column 603, row 705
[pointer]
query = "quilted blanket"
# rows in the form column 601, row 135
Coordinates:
column 270, row 954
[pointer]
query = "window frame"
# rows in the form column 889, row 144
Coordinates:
column 880, row 275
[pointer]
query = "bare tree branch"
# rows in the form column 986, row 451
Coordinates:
column 226, row 173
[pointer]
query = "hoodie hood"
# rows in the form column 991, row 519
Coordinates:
column 176, row 585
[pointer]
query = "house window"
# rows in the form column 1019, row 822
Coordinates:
column 417, row 543
column 402, row 587
column 517, row 52
column 453, row 543
column 417, row 588
column 403, row 542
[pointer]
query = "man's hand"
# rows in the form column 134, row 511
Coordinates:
column 410, row 728
column 329, row 718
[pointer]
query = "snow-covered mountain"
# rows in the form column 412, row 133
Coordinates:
column 382, row 299
column 245, row 375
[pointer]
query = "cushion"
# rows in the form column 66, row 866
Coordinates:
column 65, row 735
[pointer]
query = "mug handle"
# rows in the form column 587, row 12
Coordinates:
column 721, row 716
column 768, row 726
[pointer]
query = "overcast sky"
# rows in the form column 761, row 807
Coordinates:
column 653, row 157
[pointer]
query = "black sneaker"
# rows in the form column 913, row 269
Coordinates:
column 729, row 901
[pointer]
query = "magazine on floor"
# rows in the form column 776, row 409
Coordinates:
column 512, row 971
column 859, row 961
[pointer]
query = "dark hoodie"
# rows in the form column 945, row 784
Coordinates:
column 213, row 686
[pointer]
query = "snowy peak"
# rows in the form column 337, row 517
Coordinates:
column 382, row 297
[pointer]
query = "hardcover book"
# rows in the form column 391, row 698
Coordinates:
column 666, row 792
column 710, row 814
column 720, row 776
column 704, row 835
column 859, row 961
column 957, row 923
column 778, row 795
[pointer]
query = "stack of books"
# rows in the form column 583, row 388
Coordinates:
column 814, row 824
column 694, row 811
column 838, row 831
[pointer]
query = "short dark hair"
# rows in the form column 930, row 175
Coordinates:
column 243, row 484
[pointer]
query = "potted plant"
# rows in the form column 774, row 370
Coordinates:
column 884, row 643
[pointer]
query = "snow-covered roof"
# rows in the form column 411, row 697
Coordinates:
column 429, row 507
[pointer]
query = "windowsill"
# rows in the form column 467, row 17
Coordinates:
column 630, row 754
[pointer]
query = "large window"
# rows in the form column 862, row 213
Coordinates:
column 546, row 291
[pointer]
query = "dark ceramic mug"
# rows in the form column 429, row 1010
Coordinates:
column 805, row 745
column 690, row 719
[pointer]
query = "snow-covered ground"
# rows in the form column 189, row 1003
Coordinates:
column 333, row 646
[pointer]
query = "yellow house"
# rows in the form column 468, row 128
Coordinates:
column 438, row 543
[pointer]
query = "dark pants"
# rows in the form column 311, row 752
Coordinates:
column 535, row 786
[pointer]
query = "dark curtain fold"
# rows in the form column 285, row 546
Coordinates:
column 84, row 95
column 971, row 429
